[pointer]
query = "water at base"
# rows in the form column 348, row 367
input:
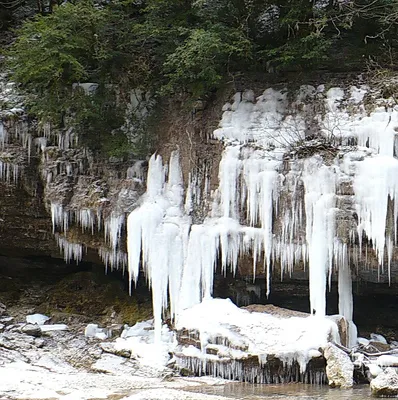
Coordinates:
column 247, row 391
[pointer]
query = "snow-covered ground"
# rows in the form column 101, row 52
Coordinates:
column 65, row 364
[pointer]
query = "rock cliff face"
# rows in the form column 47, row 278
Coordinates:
column 288, row 182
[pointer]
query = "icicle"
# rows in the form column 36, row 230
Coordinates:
column 41, row 143
column 320, row 187
column 345, row 289
column 136, row 172
column 59, row 217
column 3, row 135
column 113, row 226
column 157, row 234
column 71, row 251
column 86, row 219
column 390, row 248
column 9, row 172
column 115, row 259
column 375, row 181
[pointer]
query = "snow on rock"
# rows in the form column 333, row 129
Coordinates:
column 215, row 337
column 93, row 331
column 139, row 341
column 38, row 319
column 374, row 370
column 363, row 341
column 339, row 367
column 385, row 384
column 387, row 361
column 375, row 337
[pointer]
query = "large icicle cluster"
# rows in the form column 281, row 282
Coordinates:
column 280, row 210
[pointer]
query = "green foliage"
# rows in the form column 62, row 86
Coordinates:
column 190, row 46
column 58, row 49
column 200, row 62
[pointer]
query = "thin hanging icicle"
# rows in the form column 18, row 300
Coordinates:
column 70, row 251
column 59, row 217
column 113, row 227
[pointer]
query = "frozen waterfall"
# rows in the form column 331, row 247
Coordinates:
column 258, row 208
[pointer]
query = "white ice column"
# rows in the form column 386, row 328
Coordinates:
column 346, row 304
column 320, row 186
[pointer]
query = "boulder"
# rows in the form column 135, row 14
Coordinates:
column 339, row 368
column 385, row 384
column 31, row 330
column 378, row 346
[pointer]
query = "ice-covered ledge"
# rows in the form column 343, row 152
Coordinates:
column 217, row 338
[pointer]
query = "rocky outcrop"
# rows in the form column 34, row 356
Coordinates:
column 260, row 347
column 385, row 384
column 339, row 367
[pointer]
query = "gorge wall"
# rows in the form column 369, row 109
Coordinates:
column 293, row 182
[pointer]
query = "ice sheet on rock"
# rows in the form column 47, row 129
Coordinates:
column 53, row 327
column 290, row 339
column 110, row 363
column 245, row 121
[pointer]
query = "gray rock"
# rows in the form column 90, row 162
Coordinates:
column 109, row 348
column 6, row 320
column 339, row 368
column 385, row 384
column 39, row 343
column 115, row 330
column 31, row 330
column 3, row 309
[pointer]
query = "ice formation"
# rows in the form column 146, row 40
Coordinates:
column 281, row 210
column 231, row 337
column 71, row 251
